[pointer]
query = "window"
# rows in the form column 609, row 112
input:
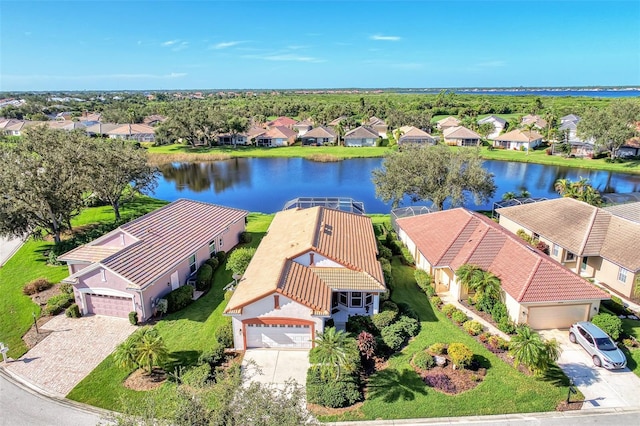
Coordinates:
column 556, row 250
column 569, row 257
column 342, row 298
column 368, row 299
column 192, row 263
column 212, row 247
column 622, row 275
column 356, row 299
column 103, row 275
column 221, row 242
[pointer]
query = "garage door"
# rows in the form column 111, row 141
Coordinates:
column 278, row 336
column 112, row 306
column 557, row 316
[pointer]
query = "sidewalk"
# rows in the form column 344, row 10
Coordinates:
column 448, row 298
column 7, row 248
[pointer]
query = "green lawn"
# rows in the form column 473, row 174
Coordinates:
column 632, row 328
column 29, row 263
column 187, row 334
column 397, row 392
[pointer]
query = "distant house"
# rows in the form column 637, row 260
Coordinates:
column 536, row 120
column 461, row 136
column 131, row 267
column 536, row 289
column 321, row 135
column 92, row 117
column 233, row 139
column 413, row 135
column 591, row 241
column 631, row 148
column 302, row 127
column 446, row 123
column 518, row 139
column 137, row 132
column 282, row 122
column 101, row 129
column 379, row 125
column 337, row 121
column 313, row 265
column 568, row 130
column 498, row 124
column 361, row 136
column 154, row 119
column 276, row 136
column 67, row 125
column 13, row 127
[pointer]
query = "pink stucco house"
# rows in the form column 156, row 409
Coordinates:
column 129, row 268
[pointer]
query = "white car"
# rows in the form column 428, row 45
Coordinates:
column 598, row 344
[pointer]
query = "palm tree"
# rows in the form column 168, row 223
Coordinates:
column 488, row 285
column 580, row 190
column 528, row 348
column 150, row 350
column 125, row 354
column 508, row 196
column 331, row 348
column 469, row 275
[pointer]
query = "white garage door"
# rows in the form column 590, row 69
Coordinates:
column 557, row 316
column 112, row 306
column 278, row 336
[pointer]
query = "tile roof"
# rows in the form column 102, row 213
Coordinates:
column 131, row 129
column 452, row 238
column 345, row 238
column 165, row 237
column 320, row 132
column 519, row 135
column 582, row 229
column 629, row 211
column 534, row 119
column 279, row 132
column 493, row 119
column 282, row 121
column 448, row 121
column 411, row 132
column 361, row 132
column 337, row 121
column 460, row 132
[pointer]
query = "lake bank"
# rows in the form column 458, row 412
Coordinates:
column 182, row 153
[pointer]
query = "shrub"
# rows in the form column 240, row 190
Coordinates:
column 179, row 298
column 409, row 325
column 239, row 259
column 391, row 242
column 58, row 303
column 224, row 335
column 506, row 326
column 438, row 348
column 386, row 271
column 36, row 286
column 485, row 303
column 203, row 278
column 329, row 392
column 367, row 345
column 73, row 311
column 543, row 247
column 359, row 323
column 436, row 301
column 407, row 310
column 523, row 234
column 52, row 259
column 423, row 360
column 498, row 312
column 497, row 342
column 383, row 319
column 133, row 318
column 213, row 262
column 461, row 356
column 388, row 305
column 441, row 382
column 459, row 317
column 245, row 237
column 198, row 377
column 66, row 288
column 213, row 356
column 394, row 336
column 221, row 256
column 484, row 337
column 448, row 310
column 407, row 257
column 385, row 252
column 615, row 305
column 610, row 324
column 422, row 279
column 472, row 327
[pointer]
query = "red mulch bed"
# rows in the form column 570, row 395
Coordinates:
column 450, row 381
column 139, row 380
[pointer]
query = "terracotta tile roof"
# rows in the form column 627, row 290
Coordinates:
column 320, row 132
column 375, row 121
column 337, row 121
column 347, row 279
column 460, row 132
column 282, row 121
column 345, row 238
column 166, row 237
column 361, row 132
column 89, row 253
column 448, row 121
column 452, row 238
column 279, row 132
column 410, row 133
column 534, row 119
column 519, row 135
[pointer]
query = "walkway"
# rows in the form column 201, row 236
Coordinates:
column 275, row 367
column 450, row 299
column 7, row 248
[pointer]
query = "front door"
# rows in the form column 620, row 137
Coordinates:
column 583, row 265
column 175, row 281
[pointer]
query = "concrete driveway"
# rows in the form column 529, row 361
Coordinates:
column 73, row 349
column 600, row 387
column 272, row 366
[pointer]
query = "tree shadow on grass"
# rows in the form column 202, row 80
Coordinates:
column 181, row 359
column 392, row 386
column 556, row 376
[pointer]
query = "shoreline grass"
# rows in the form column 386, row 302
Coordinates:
column 182, row 153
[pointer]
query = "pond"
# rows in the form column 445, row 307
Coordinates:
column 266, row 184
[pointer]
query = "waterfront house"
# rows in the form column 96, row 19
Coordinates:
column 498, row 125
column 413, row 135
column 321, row 135
column 378, row 125
column 518, row 139
column 302, row 127
column 137, row 132
column 361, row 136
column 276, row 136
column 461, row 136
column 233, row 139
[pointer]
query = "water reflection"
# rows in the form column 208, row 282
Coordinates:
column 265, row 184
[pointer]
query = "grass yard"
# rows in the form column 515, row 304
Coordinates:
column 29, row 263
column 397, row 392
column 632, row 328
column 187, row 334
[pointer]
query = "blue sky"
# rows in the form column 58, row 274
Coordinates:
column 144, row 45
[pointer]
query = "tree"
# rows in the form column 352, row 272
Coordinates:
column 42, row 182
column 117, row 170
column 612, row 126
column 239, row 259
column 331, row 348
column 235, row 125
column 579, row 190
column 484, row 283
column 485, row 129
column 436, row 173
column 144, row 348
column 528, row 348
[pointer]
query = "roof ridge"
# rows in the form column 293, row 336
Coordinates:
column 532, row 274
column 446, row 251
column 587, row 234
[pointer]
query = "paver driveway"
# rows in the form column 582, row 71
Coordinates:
column 272, row 366
column 600, row 387
column 73, row 349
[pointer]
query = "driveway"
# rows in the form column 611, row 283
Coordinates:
column 600, row 387
column 73, row 349
column 272, row 366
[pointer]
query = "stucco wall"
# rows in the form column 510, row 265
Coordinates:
column 514, row 309
column 608, row 274
column 118, row 239
column 318, row 260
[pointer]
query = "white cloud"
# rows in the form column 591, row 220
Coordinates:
column 169, row 43
column 227, row 44
column 385, row 38
column 183, row 45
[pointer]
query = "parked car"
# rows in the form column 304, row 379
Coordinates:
column 598, row 344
